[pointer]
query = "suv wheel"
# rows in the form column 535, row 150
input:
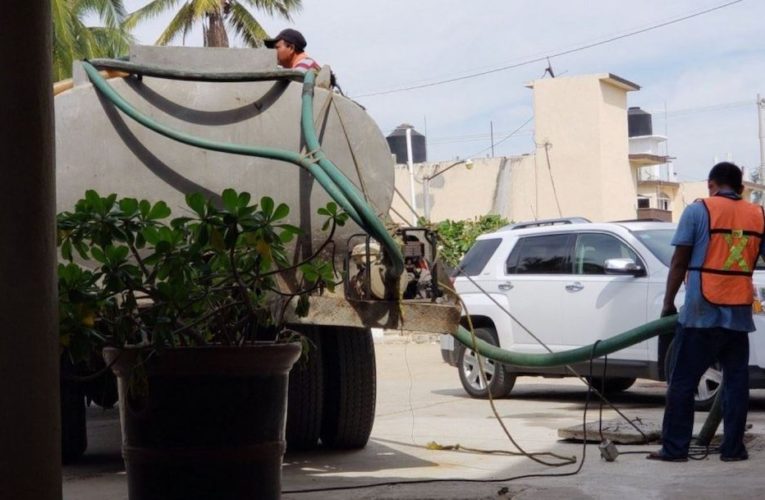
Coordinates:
column 709, row 385
column 500, row 382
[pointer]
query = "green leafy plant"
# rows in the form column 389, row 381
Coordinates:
column 456, row 237
column 132, row 276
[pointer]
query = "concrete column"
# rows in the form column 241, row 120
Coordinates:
column 30, row 442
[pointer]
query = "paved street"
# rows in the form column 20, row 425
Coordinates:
column 420, row 400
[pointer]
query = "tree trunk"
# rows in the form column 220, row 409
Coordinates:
column 215, row 32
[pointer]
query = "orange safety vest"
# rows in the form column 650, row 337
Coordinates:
column 736, row 228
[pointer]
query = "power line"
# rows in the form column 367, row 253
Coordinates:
column 467, row 138
column 703, row 109
column 674, row 113
column 557, row 54
column 508, row 136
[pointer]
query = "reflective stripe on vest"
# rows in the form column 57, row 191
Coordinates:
column 736, row 229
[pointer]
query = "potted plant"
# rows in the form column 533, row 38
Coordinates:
column 83, row 376
column 189, row 312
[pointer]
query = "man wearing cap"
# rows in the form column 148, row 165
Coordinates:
column 290, row 51
column 717, row 243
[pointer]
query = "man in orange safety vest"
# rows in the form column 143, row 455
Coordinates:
column 717, row 244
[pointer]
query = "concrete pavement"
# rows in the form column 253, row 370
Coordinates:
column 420, row 400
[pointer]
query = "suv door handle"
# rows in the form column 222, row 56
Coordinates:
column 505, row 286
column 574, row 287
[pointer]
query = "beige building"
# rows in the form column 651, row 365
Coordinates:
column 584, row 164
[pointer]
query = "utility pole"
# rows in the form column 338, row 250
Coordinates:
column 410, row 164
column 491, row 126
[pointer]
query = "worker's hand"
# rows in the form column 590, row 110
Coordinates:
column 668, row 310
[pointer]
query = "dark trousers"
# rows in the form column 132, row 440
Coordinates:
column 695, row 349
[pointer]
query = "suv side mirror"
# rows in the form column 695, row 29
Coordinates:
column 624, row 266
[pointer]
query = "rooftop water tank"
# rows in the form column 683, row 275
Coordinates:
column 639, row 122
column 397, row 143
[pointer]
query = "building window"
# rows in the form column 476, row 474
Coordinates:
column 643, row 202
column 663, row 202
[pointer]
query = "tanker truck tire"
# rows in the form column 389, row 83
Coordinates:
column 74, row 437
column 350, row 387
column 304, row 399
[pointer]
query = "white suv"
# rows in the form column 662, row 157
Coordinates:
column 571, row 283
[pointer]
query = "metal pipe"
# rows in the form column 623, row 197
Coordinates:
column 426, row 197
column 426, row 183
column 196, row 76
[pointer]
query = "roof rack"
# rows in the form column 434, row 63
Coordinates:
column 547, row 222
column 650, row 219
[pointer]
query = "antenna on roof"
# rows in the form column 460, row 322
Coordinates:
column 549, row 69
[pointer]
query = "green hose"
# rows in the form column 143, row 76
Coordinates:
column 373, row 224
column 240, row 149
column 326, row 173
column 661, row 326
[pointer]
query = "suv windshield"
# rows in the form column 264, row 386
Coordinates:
column 659, row 242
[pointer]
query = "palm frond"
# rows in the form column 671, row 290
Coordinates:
column 73, row 40
column 61, row 49
column 245, row 26
column 150, row 11
column 181, row 24
column 203, row 7
column 111, row 12
column 111, row 42
column 283, row 8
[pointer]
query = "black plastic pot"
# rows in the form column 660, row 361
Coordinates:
column 74, row 436
column 203, row 422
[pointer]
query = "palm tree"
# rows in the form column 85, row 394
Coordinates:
column 217, row 18
column 73, row 39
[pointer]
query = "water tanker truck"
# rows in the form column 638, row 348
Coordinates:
column 179, row 120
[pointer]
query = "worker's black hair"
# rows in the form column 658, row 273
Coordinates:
column 727, row 174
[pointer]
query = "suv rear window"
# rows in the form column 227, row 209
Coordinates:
column 548, row 254
column 479, row 254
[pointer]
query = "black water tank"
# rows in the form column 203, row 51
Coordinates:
column 639, row 122
column 397, row 144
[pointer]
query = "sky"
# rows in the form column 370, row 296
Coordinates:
column 699, row 77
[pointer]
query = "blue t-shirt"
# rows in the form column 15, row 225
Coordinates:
column 693, row 230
